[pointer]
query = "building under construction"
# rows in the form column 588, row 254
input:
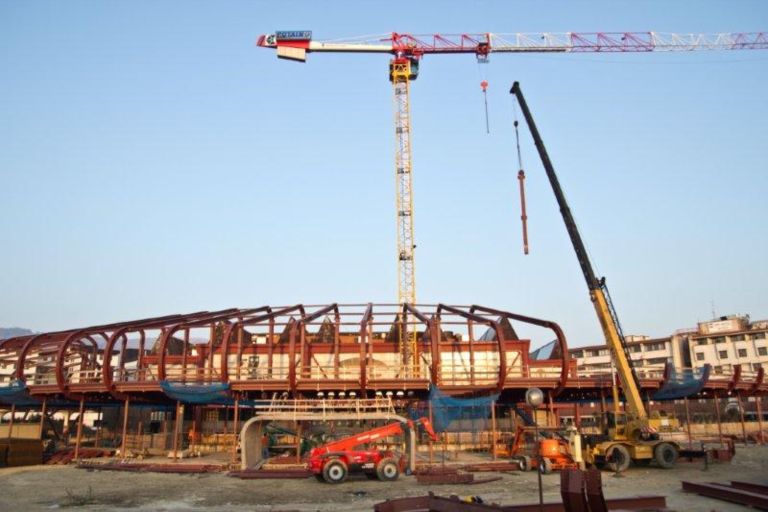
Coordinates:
column 196, row 377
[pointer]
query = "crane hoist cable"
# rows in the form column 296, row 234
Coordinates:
column 521, row 180
column 484, row 86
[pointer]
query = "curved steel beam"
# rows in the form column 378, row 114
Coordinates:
column 502, row 378
column 364, row 341
column 548, row 324
column 239, row 324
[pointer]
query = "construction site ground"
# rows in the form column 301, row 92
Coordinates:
column 53, row 487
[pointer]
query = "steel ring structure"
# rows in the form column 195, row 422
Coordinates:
column 302, row 350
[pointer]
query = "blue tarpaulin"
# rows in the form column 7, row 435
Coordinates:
column 447, row 409
column 680, row 384
column 217, row 393
column 16, row 393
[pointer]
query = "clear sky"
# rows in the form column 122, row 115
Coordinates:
column 154, row 161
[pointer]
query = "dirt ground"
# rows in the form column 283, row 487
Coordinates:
column 52, row 487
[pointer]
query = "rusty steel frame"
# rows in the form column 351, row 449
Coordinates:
column 91, row 362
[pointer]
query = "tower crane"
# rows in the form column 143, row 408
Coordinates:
column 408, row 49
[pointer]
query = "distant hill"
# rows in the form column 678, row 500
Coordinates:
column 12, row 332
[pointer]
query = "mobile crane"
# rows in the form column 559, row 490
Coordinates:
column 630, row 435
column 334, row 461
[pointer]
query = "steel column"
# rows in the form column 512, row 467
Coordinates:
column 235, row 429
column 10, row 423
column 125, row 428
column 79, row 428
column 719, row 423
column 179, row 411
column 43, row 412
column 688, row 421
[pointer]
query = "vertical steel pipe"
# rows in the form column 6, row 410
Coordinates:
column 125, row 428
column 717, row 416
column 79, row 436
column 10, row 423
column 43, row 412
column 235, row 429
column 688, row 421
column 179, row 412
column 493, row 430
column 761, row 434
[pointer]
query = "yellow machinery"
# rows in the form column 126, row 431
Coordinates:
column 629, row 436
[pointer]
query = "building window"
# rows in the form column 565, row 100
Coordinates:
column 758, row 336
column 718, row 370
column 756, row 367
column 704, row 341
column 720, row 339
column 699, row 356
column 635, row 348
column 742, row 352
column 723, row 354
column 762, row 351
column 738, row 337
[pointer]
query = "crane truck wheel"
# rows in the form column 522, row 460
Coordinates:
column 665, row 455
column 387, row 470
column 618, row 458
column 335, row 471
column 524, row 463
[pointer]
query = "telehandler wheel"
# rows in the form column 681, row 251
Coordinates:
column 524, row 463
column 546, row 466
column 618, row 458
column 387, row 470
column 665, row 455
column 335, row 471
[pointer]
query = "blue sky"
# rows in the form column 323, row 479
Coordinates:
column 153, row 160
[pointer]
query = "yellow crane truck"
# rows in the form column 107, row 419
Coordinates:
column 629, row 435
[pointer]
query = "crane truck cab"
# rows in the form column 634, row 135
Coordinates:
column 625, row 440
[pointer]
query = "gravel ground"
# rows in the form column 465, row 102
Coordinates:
column 51, row 487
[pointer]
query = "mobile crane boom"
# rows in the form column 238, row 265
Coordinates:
column 598, row 291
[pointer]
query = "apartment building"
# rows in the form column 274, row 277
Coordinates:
column 728, row 341
column 649, row 355
column 721, row 343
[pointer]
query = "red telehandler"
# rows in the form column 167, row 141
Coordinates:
column 334, row 461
